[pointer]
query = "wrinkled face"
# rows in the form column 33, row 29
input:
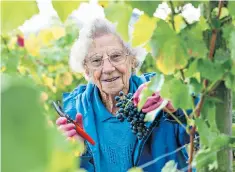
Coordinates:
column 109, row 78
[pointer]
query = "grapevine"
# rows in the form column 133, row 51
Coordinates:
column 127, row 110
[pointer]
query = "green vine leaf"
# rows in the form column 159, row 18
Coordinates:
column 120, row 14
column 178, row 93
column 170, row 166
column 232, row 45
column 153, row 86
column 65, row 8
column 195, row 86
column 230, row 81
column 209, row 70
column 205, row 159
column 149, row 7
column 168, row 59
column 194, row 39
column 14, row 13
column 203, row 130
column 195, row 3
column 23, row 122
column 231, row 7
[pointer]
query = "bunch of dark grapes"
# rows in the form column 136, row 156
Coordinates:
column 127, row 111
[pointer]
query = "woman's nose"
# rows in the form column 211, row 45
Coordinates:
column 107, row 66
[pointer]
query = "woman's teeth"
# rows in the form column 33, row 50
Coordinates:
column 112, row 79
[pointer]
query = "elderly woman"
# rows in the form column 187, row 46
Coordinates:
column 109, row 65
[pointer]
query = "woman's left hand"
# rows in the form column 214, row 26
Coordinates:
column 152, row 102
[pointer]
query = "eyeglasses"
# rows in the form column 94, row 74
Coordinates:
column 116, row 57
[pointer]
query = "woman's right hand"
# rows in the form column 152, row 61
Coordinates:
column 68, row 129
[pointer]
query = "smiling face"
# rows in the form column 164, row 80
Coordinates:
column 109, row 79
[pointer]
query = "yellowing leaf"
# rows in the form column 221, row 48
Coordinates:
column 103, row 3
column 58, row 32
column 45, row 37
column 62, row 161
column 22, row 69
column 35, row 76
column 120, row 14
column 53, row 68
column 33, row 45
column 14, row 13
column 65, row 8
column 179, row 23
column 143, row 30
column 3, row 68
column 59, row 84
column 49, row 82
column 12, row 43
column 46, row 107
column 169, row 50
column 44, row 96
column 135, row 169
column 148, row 48
column 67, row 78
column 171, row 57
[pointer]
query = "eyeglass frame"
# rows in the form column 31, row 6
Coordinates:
column 108, row 57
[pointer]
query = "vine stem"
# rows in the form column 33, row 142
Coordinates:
column 214, row 33
column 172, row 14
column 5, row 42
column 41, row 63
column 177, row 120
column 182, row 75
column 200, row 104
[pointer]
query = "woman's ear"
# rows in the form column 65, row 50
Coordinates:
column 86, row 73
column 133, row 64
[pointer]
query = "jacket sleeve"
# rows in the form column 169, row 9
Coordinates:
column 69, row 107
column 69, row 101
column 86, row 160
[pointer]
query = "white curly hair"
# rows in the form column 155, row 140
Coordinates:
column 95, row 28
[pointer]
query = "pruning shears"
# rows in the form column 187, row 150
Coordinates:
column 79, row 129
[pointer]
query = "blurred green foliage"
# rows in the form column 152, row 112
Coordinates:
column 35, row 71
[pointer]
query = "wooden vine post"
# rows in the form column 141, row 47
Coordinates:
column 224, row 123
column 223, row 108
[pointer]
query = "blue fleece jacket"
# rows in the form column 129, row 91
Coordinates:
column 165, row 135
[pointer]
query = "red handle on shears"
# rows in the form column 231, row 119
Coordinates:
column 79, row 130
column 83, row 134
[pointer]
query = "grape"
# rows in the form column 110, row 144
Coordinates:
column 134, row 131
column 129, row 119
column 121, row 93
column 119, row 104
column 117, row 98
column 128, row 111
column 142, row 115
column 129, row 95
column 121, row 110
column 121, row 120
column 119, row 116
